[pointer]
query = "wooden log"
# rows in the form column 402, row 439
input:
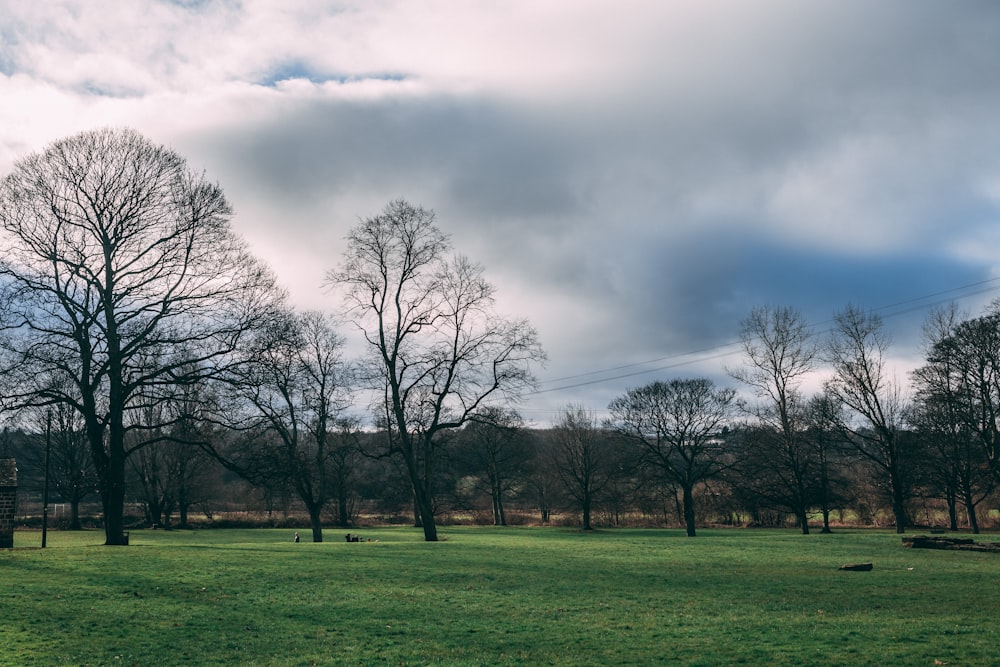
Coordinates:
column 950, row 543
column 980, row 546
column 925, row 542
column 857, row 567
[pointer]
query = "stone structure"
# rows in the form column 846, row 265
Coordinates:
column 8, row 501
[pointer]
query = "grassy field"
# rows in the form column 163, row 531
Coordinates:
column 484, row 596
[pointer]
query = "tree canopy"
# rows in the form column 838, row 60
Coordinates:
column 119, row 276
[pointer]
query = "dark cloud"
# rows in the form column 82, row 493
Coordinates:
column 634, row 189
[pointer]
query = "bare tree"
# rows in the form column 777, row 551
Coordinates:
column 780, row 464
column 115, row 254
column 543, row 480
column 289, row 401
column 150, row 464
column 495, row 450
column 957, row 408
column 166, row 459
column 679, row 424
column 823, row 414
column 585, row 459
column 71, row 469
column 874, row 402
column 196, row 473
column 439, row 353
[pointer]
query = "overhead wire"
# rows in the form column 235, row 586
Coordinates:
column 913, row 304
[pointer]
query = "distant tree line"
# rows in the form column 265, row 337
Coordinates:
column 163, row 371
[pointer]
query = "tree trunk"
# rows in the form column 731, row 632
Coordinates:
column 689, row 510
column 500, row 510
column 154, row 511
column 315, row 521
column 110, row 468
column 425, row 507
column 952, row 511
column 418, row 521
column 496, row 508
column 182, row 510
column 74, row 514
column 114, row 515
column 499, row 517
column 114, row 498
column 898, row 502
column 586, row 514
column 803, row 518
column 114, row 510
column 825, row 493
column 543, row 504
column 423, row 498
column 344, row 518
column 973, row 520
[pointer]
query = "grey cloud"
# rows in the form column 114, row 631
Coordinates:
column 805, row 154
column 587, row 216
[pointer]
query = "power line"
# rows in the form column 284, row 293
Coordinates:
column 628, row 375
column 914, row 304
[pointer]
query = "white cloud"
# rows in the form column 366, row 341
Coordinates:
column 632, row 174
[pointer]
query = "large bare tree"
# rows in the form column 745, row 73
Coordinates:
column 779, row 461
column 875, row 411
column 679, row 426
column 439, row 351
column 120, row 275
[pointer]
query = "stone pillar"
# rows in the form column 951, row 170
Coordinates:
column 8, row 499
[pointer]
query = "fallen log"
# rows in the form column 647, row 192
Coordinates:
column 949, row 543
column 857, row 567
column 979, row 546
column 926, row 542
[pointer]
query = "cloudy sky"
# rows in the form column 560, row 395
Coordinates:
column 634, row 175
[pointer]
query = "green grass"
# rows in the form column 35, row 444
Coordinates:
column 484, row 596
